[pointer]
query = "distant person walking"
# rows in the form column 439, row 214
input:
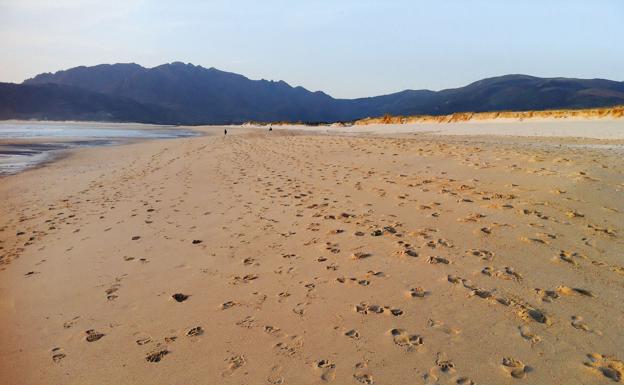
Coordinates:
column 224, row 131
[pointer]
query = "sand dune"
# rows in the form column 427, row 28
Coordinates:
column 599, row 123
column 295, row 257
column 616, row 112
column 581, row 132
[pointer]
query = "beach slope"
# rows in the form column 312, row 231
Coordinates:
column 296, row 257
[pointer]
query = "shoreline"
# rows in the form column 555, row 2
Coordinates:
column 611, row 140
column 41, row 143
column 137, row 125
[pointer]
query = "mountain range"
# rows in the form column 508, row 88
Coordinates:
column 179, row 93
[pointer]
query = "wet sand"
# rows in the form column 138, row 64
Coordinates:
column 295, row 257
column 29, row 144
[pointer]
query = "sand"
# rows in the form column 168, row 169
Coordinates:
column 603, row 129
column 296, row 257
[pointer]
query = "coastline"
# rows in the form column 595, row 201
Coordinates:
column 29, row 144
column 87, row 122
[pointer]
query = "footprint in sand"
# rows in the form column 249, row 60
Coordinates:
column 376, row 233
column 93, row 335
column 233, row 363
column 362, row 374
column 578, row 323
column 454, row 279
column 528, row 313
column 109, row 292
column 417, row 292
column 156, row 355
column 485, row 255
column 534, row 240
column 360, row 255
column 179, row 297
column 524, row 310
column 441, row 326
column 404, row 339
column 364, row 308
column 434, row 260
column 70, row 323
column 509, row 274
column 291, row 346
column 196, row 331
column 353, row 334
column 272, row 330
column 608, row 366
column 242, row 280
column 464, row 381
column 275, row 377
column 143, row 340
column 250, row 261
column 569, row 257
column 332, row 247
column 527, row 334
column 565, row 290
column 282, row 296
column 57, row 355
column 485, row 230
column 228, row 304
column 574, row 214
column 473, row 217
column 443, row 367
column 479, row 292
column 327, row 368
column 444, row 364
column 546, row 295
column 608, row 231
column 515, row 368
column 300, row 308
column 433, row 244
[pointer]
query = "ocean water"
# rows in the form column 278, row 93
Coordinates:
column 24, row 145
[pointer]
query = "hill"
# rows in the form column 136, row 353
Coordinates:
column 179, row 93
column 57, row 102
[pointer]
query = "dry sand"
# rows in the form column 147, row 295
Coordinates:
column 301, row 258
column 604, row 129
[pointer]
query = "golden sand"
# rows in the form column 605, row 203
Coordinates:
column 299, row 258
column 616, row 112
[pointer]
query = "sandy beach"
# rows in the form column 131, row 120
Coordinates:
column 602, row 129
column 311, row 257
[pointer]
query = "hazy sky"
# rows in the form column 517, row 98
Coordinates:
column 346, row 48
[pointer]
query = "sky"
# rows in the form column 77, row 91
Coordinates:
column 346, row 48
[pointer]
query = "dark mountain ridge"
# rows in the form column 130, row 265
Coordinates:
column 59, row 102
column 179, row 93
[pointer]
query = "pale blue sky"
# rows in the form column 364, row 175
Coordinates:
column 346, row 48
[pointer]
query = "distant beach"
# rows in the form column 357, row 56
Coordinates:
column 570, row 127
